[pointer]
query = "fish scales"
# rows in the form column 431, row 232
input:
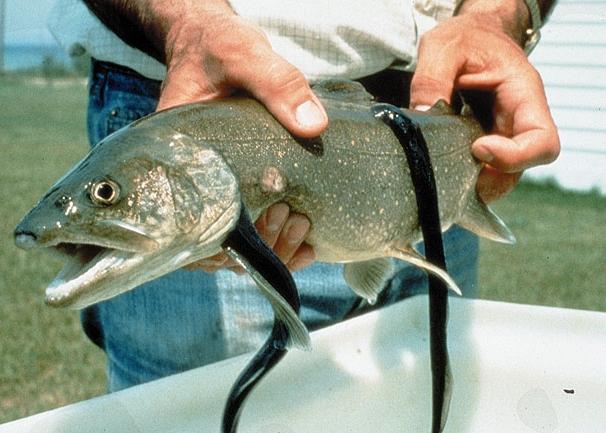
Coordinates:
column 359, row 185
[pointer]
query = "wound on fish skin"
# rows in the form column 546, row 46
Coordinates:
column 272, row 180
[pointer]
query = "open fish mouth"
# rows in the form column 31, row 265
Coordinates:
column 87, row 270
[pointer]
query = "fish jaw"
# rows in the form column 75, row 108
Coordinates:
column 93, row 274
column 84, row 280
column 97, row 269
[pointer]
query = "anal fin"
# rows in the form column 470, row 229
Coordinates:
column 411, row 256
column 368, row 278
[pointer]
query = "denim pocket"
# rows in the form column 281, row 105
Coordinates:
column 120, row 115
column 116, row 99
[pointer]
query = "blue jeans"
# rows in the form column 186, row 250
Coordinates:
column 191, row 318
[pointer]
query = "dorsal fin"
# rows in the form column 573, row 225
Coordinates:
column 444, row 108
column 441, row 107
column 344, row 90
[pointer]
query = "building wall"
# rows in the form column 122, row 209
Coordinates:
column 571, row 58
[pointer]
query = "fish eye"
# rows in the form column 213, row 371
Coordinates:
column 104, row 192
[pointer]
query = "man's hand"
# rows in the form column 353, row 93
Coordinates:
column 209, row 57
column 474, row 51
column 209, row 52
column 224, row 52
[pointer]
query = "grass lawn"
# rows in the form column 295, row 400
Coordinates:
column 45, row 360
column 560, row 254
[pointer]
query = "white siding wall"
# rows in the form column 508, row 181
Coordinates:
column 571, row 58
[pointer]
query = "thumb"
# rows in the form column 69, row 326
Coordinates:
column 285, row 92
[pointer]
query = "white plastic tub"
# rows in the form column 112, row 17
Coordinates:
column 516, row 369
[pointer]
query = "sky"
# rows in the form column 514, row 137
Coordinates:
column 26, row 22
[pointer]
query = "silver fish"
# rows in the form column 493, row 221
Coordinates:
column 166, row 191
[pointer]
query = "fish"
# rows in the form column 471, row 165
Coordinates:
column 166, row 190
column 172, row 188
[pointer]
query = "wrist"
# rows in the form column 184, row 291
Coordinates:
column 168, row 23
column 512, row 17
column 146, row 24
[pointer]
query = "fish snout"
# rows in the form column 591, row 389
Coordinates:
column 25, row 240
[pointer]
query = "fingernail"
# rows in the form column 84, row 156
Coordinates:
column 483, row 154
column 276, row 216
column 422, row 107
column 309, row 115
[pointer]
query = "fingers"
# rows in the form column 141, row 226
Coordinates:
column 289, row 245
column 439, row 63
column 510, row 155
column 185, row 82
column 524, row 135
column 459, row 55
column 282, row 231
column 285, row 233
column 271, row 222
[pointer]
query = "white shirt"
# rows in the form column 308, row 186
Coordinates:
column 322, row 38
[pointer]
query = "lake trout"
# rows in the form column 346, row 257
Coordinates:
column 166, row 190
column 170, row 188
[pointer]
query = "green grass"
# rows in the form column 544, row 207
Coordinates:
column 560, row 255
column 45, row 360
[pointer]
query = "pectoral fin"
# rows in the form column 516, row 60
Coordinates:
column 368, row 278
column 298, row 334
column 411, row 256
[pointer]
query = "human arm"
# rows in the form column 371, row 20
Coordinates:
column 209, row 52
column 480, row 49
